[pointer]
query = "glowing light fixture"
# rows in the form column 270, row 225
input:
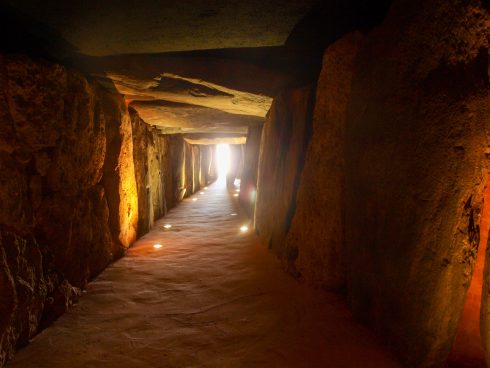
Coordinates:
column 223, row 159
column 244, row 228
column 157, row 246
column 205, row 188
column 237, row 190
column 167, row 226
column 194, row 199
column 201, row 193
column 233, row 214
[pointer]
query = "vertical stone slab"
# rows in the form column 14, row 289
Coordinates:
column 317, row 229
column 119, row 174
column 155, row 177
column 54, row 228
column 284, row 141
column 189, row 169
column 196, row 168
column 177, row 150
column 248, row 183
column 140, row 157
column 416, row 165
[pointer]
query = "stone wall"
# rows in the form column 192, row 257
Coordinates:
column 248, row 183
column 160, row 178
column 54, row 217
column 282, row 149
column 416, row 166
column 389, row 203
column 317, row 228
column 78, row 172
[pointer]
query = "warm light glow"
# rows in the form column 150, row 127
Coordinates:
column 194, row 199
column 235, row 195
column 233, row 214
column 205, row 188
column 244, row 228
column 237, row 190
column 167, row 226
column 223, row 159
column 201, row 193
column 253, row 195
column 157, row 246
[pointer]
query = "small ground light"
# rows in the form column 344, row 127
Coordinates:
column 237, row 190
column 235, row 195
column 157, row 246
column 201, row 193
column 167, row 226
column 244, row 228
column 233, row 214
column 194, row 199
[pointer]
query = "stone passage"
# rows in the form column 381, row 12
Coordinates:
column 210, row 296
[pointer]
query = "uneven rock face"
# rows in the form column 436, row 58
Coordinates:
column 284, row 140
column 23, row 290
column 174, row 118
column 158, row 162
column 177, row 148
column 54, row 216
column 56, row 133
column 140, row 155
column 248, row 183
column 119, row 175
column 317, row 229
column 121, row 28
column 69, row 193
column 416, row 165
column 235, row 165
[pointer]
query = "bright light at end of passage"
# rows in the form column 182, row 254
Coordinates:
column 194, row 199
column 233, row 214
column 157, row 246
column 244, row 228
column 235, row 195
column 167, row 226
column 223, row 159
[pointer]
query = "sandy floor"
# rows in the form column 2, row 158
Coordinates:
column 209, row 297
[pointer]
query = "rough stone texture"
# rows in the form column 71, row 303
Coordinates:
column 174, row 118
column 140, row 155
column 22, row 292
column 54, row 216
column 317, row 229
column 416, row 166
column 206, row 174
column 120, row 27
column 183, row 90
column 154, row 167
column 282, row 149
column 177, row 149
column 196, row 169
column 54, row 160
column 69, row 192
column 248, row 183
column 211, row 139
column 119, row 175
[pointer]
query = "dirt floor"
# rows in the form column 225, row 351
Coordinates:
column 211, row 296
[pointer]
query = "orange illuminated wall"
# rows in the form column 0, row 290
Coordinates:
column 467, row 349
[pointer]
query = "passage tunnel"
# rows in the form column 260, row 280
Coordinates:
column 244, row 184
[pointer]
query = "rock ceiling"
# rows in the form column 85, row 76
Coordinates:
column 138, row 49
